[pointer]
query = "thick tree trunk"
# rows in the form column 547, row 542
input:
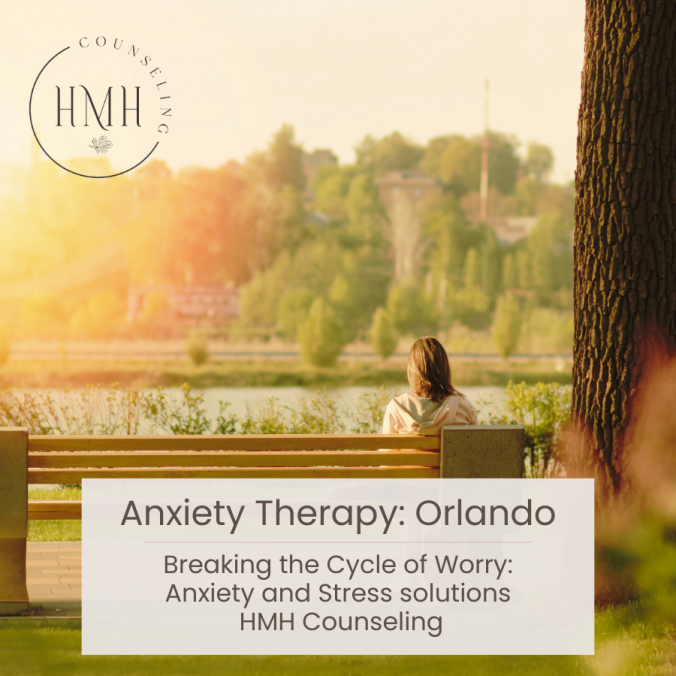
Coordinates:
column 625, row 221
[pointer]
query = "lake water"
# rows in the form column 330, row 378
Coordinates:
column 243, row 400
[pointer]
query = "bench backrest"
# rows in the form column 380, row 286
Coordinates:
column 462, row 451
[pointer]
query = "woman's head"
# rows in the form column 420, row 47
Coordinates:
column 428, row 370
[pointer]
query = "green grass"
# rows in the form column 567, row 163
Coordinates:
column 625, row 644
column 628, row 641
column 258, row 373
column 44, row 531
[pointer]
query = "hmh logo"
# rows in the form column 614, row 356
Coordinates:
column 82, row 106
column 89, row 102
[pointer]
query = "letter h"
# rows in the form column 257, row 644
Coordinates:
column 125, row 109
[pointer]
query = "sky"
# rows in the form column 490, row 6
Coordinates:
column 336, row 70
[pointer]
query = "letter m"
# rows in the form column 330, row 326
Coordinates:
column 88, row 99
column 271, row 625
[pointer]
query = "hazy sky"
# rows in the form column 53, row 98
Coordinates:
column 336, row 70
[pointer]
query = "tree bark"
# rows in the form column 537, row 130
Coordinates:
column 625, row 218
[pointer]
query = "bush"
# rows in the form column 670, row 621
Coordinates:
column 544, row 410
column 507, row 325
column 321, row 336
column 292, row 311
column 383, row 335
column 411, row 311
column 197, row 348
column 5, row 349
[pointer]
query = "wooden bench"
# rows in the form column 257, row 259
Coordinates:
column 467, row 451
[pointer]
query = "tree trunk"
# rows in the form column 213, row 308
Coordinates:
column 625, row 218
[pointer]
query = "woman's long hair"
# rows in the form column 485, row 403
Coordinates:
column 428, row 370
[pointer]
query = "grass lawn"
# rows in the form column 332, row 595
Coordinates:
column 625, row 644
column 45, row 531
column 260, row 373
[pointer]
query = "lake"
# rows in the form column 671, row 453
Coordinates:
column 243, row 400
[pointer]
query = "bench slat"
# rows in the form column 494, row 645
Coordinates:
column 232, row 442
column 234, row 459
column 54, row 510
column 74, row 476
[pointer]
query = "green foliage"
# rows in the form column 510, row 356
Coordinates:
column 546, row 330
column 5, row 349
column 450, row 235
column 544, row 410
column 528, row 196
column 365, row 211
column 292, row 311
column 197, row 347
column 368, row 413
column 539, row 161
column 129, row 410
column 391, row 153
column 282, row 164
column 471, row 305
column 550, row 249
column 259, row 299
column 461, row 339
column 331, row 189
column 321, row 335
column 99, row 409
column 411, row 310
column 459, row 166
column 383, row 335
column 92, row 410
column 507, row 325
column 510, row 274
column 317, row 415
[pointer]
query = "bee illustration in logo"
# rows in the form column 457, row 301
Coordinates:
column 102, row 145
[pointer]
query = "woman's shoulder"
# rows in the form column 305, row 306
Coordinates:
column 466, row 408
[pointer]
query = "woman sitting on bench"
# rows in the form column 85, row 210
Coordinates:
column 433, row 401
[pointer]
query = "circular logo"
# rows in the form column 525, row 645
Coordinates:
column 100, row 107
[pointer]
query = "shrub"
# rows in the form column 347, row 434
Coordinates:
column 411, row 310
column 383, row 335
column 368, row 413
column 197, row 348
column 292, row 311
column 507, row 325
column 321, row 336
column 544, row 410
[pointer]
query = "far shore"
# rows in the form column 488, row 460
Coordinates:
column 61, row 370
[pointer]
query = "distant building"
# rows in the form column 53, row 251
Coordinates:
column 406, row 194
column 190, row 304
column 411, row 184
column 510, row 229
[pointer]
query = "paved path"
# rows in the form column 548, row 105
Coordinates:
column 54, row 572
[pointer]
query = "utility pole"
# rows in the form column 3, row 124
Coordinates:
column 483, row 192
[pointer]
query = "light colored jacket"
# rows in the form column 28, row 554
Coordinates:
column 409, row 413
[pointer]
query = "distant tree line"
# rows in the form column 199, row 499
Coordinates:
column 304, row 277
